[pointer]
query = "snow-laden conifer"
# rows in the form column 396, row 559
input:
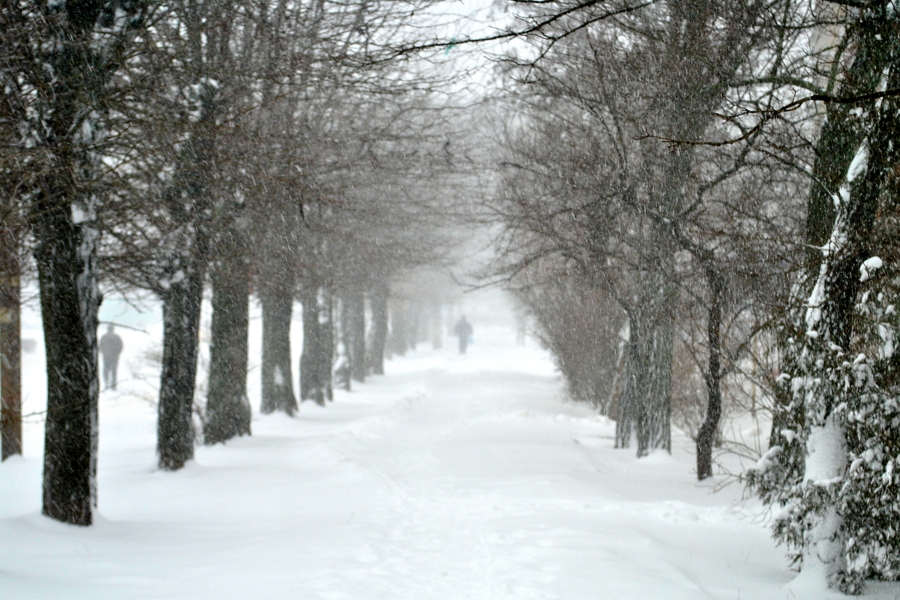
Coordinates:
column 830, row 466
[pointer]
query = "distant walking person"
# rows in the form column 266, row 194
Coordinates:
column 110, row 349
column 463, row 330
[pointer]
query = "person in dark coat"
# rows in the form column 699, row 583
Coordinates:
column 463, row 330
column 110, row 348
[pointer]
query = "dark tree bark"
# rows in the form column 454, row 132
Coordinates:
column 318, row 346
column 308, row 370
column 644, row 410
column 325, row 360
column 277, row 298
column 842, row 134
column 342, row 366
column 840, row 137
column 69, row 303
column 379, row 300
column 189, row 207
column 10, row 347
column 228, row 409
column 654, row 429
column 356, row 333
column 707, row 433
column 181, row 331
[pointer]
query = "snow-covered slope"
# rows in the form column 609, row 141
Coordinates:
column 451, row 477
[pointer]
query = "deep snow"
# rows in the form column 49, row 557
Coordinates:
column 451, row 477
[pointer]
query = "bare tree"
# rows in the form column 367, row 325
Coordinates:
column 81, row 45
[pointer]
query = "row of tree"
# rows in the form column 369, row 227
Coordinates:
column 687, row 188
column 716, row 180
column 265, row 146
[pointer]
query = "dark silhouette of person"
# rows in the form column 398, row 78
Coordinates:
column 110, row 349
column 463, row 330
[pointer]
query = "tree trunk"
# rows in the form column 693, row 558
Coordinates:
column 325, row 360
column 706, row 435
column 831, row 328
column 399, row 339
column 227, row 408
column 318, row 346
column 277, row 298
column 69, row 303
column 626, row 417
column 61, row 221
column 615, row 387
column 181, row 332
column 379, row 328
column 644, row 410
column 654, row 427
column 189, row 205
column 342, row 377
column 308, row 370
column 10, row 346
column 356, row 333
column 840, row 137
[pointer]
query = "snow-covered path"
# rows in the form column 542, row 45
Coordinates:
column 452, row 477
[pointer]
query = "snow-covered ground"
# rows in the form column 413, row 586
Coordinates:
column 451, row 477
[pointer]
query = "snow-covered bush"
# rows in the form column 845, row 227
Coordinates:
column 838, row 496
